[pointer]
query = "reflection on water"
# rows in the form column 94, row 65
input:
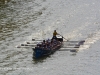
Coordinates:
column 13, row 16
column 3, row 3
column 6, row 30
column 40, row 60
column 6, row 23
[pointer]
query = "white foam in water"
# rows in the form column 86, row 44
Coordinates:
column 92, row 40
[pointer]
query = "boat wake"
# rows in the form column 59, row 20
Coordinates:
column 91, row 39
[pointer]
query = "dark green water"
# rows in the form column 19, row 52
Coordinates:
column 22, row 20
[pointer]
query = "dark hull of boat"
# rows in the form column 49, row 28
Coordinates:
column 39, row 52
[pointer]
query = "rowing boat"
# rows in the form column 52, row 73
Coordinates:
column 40, row 52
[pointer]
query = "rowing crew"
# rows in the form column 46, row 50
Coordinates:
column 48, row 44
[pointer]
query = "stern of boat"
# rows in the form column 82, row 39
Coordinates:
column 60, row 39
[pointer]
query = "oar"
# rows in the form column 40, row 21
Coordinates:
column 25, row 45
column 28, row 44
column 74, row 50
column 63, row 37
column 75, row 43
column 81, row 41
column 31, row 42
column 70, row 49
column 36, row 40
column 67, row 49
column 22, row 46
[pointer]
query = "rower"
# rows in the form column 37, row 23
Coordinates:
column 54, row 35
column 43, row 44
column 54, row 42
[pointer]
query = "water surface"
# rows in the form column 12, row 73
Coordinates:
column 22, row 20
